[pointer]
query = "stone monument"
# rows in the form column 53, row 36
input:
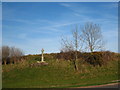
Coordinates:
column 40, row 63
column 42, row 58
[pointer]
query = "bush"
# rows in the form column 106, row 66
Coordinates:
column 66, row 55
column 99, row 58
column 94, row 59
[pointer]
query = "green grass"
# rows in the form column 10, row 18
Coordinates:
column 58, row 74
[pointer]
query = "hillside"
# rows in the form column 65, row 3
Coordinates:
column 58, row 73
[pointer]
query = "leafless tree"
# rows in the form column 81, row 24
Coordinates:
column 16, row 54
column 66, row 44
column 72, row 45
column 92, row 36
column 0, row 56
column 11, row 53
column 5, row 53
column 77, row 41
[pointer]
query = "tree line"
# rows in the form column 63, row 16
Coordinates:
column 11, row 54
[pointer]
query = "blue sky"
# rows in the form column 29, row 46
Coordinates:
column 33, row 26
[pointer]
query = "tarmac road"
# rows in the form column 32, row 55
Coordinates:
column 113, row 85
column 110, row 86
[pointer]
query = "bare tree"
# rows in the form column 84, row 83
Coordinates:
column 66, row 44
column 11, row 53
column 5, row 53
column 72, row 45
column 76, row 41
column 0, row 56
column 16, row 54
column 92, row 36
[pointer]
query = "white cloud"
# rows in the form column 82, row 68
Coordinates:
column 111, row 39
column 113, row 34
column 65, row 4
column 22, row 36
column 66, row 24
column 34, row 45
column 76, row 14
column 112, row 5
column 22, row 21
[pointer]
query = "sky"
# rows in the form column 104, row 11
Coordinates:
column 32, row 26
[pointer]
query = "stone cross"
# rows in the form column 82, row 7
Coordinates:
column 42, row 60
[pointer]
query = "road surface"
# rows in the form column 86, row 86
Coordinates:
column 113, row 85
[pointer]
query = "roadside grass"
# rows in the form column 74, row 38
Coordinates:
column 57, row 74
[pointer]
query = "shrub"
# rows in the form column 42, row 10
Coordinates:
column 94, row 59
column 66, row 55
column 99, row 58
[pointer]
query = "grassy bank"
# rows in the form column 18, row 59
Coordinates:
column 57, row 74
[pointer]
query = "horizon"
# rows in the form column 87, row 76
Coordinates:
column 59, row 52
column 33, row 26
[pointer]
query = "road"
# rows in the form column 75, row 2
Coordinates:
column 109, row 86
column 113, row 85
